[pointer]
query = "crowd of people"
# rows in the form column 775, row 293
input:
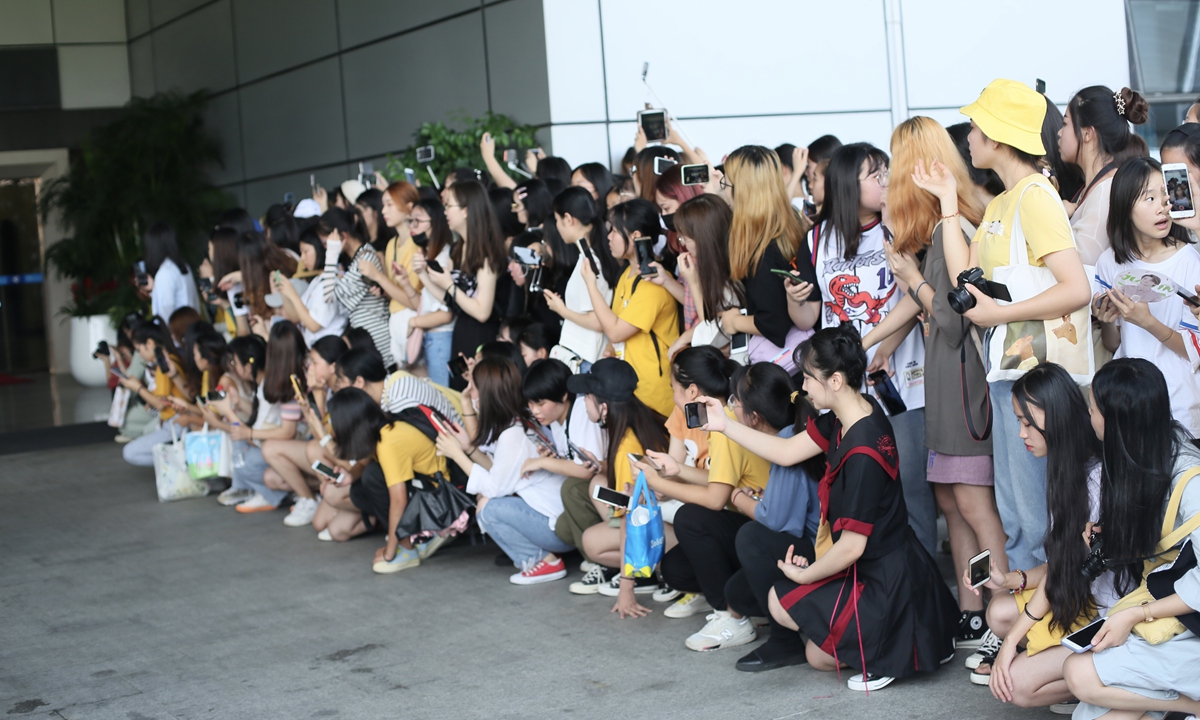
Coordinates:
column 805, row 358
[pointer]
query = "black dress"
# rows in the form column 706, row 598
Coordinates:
column 890, row 613
column 469, row 333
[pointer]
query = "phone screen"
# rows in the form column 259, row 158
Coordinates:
column 694, row 174
column 654, row 124
column 1085, row 636
column 410, row 176
column 526, row 256
column 425, row 154
column 645, row 256
column 611, row 497
column 661, row 164
column 981, row 569
column 458, row 366
column 696, row 415
column 325, row 470
column 1179, row 190
column 740, row 342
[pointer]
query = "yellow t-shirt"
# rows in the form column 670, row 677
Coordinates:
column 1043, row 222
column 404, row 256
column 404, row 450
column 622, row 469
column 650, row 308
column 164, row 386
column 732, row 464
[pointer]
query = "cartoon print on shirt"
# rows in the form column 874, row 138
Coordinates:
column 849, row 303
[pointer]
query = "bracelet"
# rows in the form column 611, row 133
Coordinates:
column 469, row 414
column 951, row 215
column 917, row 292
column 1030, row 616
column 1149, row 616
column 326, row 440
column 1024, row 582
column 1170, row 332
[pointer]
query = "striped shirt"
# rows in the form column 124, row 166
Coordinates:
column 365, row 310
column 402, row 391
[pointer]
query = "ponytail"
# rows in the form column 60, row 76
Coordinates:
column 705, row 367
column 578, row 203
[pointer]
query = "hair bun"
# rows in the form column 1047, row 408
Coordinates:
column 1137, row 110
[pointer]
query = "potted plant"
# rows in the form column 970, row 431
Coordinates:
column 460, row 148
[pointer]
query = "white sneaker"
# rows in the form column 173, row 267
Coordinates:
column 869, row 684
column 590, row 583
column 325, row 536
column 666, row 593
column 426, row 549
column 587, row 566
column 1066, row 708
column 989, row 645
column 722, row 630
column 688, row 605
column 235, row 496
column 302, row 512
column 641, row 586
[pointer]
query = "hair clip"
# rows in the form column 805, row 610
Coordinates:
column 1120, row 101
column 794, row 395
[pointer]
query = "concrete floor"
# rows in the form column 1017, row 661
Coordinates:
column 117, row 606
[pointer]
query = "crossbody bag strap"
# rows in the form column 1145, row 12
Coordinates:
column 1171, row 535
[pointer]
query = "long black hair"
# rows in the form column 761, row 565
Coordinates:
column 483, row 244
column 554, row 170
column 158, row 245
column 705, row 220
column 636, row 216
column 839, row 212
column 601, row 179
column 357, row 421
column 1071, row 447
column 538, row 202
column 439, row 231
column 1141, row 444
column 577, row 202
column 646, row 424
column 1127, row 188
column 706, row 367
column 281, row 227
column 766, row 390
column 1096, row 107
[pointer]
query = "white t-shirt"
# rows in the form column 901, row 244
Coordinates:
column 1184, row 269
column 172, row 290
column 580, row 432
column 863, row 290
column 541, row 490
column 429, row 303
column 327, row 312
column 587, row 344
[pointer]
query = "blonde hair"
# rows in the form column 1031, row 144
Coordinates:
column 762, row 212
column 914, row 212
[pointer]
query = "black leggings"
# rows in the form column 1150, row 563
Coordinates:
column 706, row 556
column 759, row 549
column 370, row 495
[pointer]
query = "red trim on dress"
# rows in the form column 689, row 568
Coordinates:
column 821, row 441
column 856, row 526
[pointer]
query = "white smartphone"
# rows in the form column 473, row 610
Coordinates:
column 1081, row 640
column 321, row 468
column 425, row 154
column 981, row 568
column 1179, row 190
column 654, row 124
column 611, row 497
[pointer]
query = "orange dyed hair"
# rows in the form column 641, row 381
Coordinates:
column 914, row 212
column 403, row 193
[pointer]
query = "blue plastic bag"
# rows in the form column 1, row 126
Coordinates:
column 203, row 453
column 644, row 539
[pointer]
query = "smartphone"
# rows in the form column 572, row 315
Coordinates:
column 434, row 265
column 139, row 273
column 312, row 181
column 458, row 366
column 368, row 170
column 981, row 568
column 695, row 414
column 587, row 253
column 216, row 395
column 525, row 256
column 1081, row 640
column 510, row 157
column 1040, row 86
column 645, row 256
column 643, row 459
column 296, row 387
column 611, row 497
column 289, row 198
column 694, row 174
column 654, row 124
column 1179, row 190
column 410, row 175
column 1189, row 299
column 160, row 357
column 789, row 274
column 886, row 391
column 206, row 287
column 425, row 154
column 321, row 468
column 661, row 164
column 116, row 371
column 739, row 343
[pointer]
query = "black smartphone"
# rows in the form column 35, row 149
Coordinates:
column 888, row 395
column 1040, row 86
column 610, row 497
column 101, row 349
column 139, row 273
column 160, row 355
column 654, row 124
column 206, row 287
column 458, row 366
column 1189, row 299
column 216, row 395
column 981, row 568
column 645, row 256
column 695, row 415
column 694, row 174
column 587, row 253
column 1081, row 640
column 434, row 265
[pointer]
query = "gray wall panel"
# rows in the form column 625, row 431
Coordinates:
column 137, row 17
column 221, row 119
column 516, row 42
column 286, row 127
column 382, row 112
column 365, row 20
column 141, row 67
column 274, row 36
column 162, row 11
column 196, row 51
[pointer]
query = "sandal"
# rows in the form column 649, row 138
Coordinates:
column 982, row 674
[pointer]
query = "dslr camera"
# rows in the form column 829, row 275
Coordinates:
column 962, row 300
column 1094, row 564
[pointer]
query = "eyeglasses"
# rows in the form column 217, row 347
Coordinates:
column 725, row 184
column 416, row 221
column 881, row 176
column 733, row 402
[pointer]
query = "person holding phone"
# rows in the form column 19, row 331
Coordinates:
column 902, row 620
column 163, row 380
column 641, row 323
column 232, row 402
column 431, row 234
column 369, row 204
column 399, row 280
column 703, row 225
column 344, row 230
column 172, row 283
column 314, row 312
column 1145, row 242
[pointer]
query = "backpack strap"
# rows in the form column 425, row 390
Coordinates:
column 637, row 280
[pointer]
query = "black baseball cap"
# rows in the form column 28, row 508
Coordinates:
column 609, row 379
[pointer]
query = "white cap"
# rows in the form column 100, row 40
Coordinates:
column 307, row 208
column 352, row 189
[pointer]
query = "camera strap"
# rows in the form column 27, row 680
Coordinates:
column 966, row 393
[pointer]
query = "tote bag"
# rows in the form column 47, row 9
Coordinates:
column 209, row 454
column 1016, row 348
column 171, row 476
column 644, row 537
column 119, row 407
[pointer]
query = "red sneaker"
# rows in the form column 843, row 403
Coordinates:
column 541, row 572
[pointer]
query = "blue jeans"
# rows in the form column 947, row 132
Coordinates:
column 1020, row 483
column 140, row 451
column 522, row 533
column 584, row 367
column 909, row 428
column 250, row 475
column 437, row 356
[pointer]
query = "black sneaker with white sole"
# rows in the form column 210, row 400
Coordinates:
column 972, row 626
column 591, row 581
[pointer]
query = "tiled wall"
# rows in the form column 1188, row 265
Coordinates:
column 306, row 87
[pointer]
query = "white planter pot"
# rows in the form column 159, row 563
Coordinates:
column 86, row 334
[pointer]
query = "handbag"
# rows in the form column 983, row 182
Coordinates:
column 119, row 407
column 209, row 454
column 567, row 357
column 1162, row 569
column 763, row 350
column 171, row 477
column 434, row 506
column 644, row 538
column 1015, row 348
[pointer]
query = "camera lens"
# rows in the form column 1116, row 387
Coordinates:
column 960, row 299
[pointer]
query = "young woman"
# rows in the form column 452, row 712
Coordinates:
column 258, row 259
column 819, row 153
column 1139, row 318
column 870, row 569
column 645, row 179
column 764, row 236
column 432, row 236
column 960, row 448
column 669, row 194
column 787, row 513
column 474, row 284
column 245, row 357
column 316, row 313
column 172, row 284
column 848, row 250
column 1182, row 145
column 279, row 227
column 1095, row 137
column 1051, row 411
column 162, row 380
column 1006, row 138
column 369, row 204
column 398, row 280
column 641, row 323
column 1147, row 460
column 535, row 342
column 518, row 510
column 596, row 179
column 986, row 182
column 582, row 341
column 344, row 230
column 703, row 225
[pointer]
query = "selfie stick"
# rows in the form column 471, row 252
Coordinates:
column 513, row 166
column 674, row 120
column 436, row 184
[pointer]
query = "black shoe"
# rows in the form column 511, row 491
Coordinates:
column 772, row 655
column 971, row 628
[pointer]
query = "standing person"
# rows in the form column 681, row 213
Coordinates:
column 1140, row 321
column 427, row 223
column 1006, row 137
column 703, row 224
column 172, row 284
column 398, row 281
column 957, row 430
column 897, row 618
column 582, row 341
column 596, row 179
column 819, row 153
column 1096, row 138
column 1182, row 145
column 642, row 322
column 343, row 230
column 474, row 285
column 848, row 249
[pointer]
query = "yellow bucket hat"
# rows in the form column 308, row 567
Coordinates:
column 1010, row 112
